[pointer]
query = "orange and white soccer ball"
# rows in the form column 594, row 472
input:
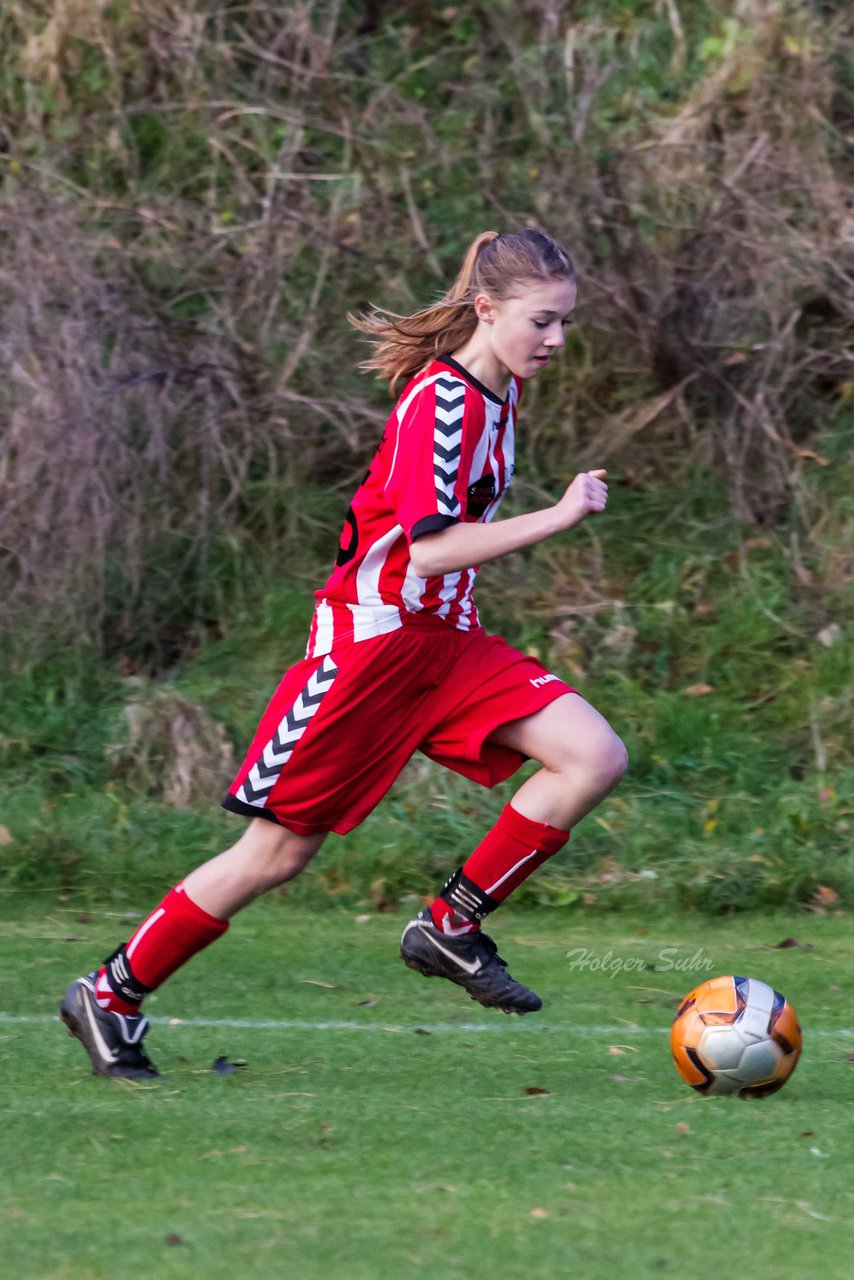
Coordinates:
column 735, row 1035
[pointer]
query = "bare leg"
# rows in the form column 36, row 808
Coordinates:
column 582, row 759
column 266, row 855
column 102, row 1010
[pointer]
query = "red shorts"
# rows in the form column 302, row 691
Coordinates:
column 340, row 728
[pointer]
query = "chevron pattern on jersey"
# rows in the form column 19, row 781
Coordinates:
column 448, row 442
column 264, row 775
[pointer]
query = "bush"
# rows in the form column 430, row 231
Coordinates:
column 194, row 197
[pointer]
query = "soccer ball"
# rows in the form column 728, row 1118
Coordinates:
column 735, row 1035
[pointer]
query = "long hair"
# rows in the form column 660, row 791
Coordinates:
column 494, row 264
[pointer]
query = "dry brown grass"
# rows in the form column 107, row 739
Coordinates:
column 195, row 195
column 727, row 274
column 171, row 747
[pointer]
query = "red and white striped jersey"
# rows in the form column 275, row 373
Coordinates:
column 446, row 456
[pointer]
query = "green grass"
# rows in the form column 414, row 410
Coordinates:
column 404, row 1142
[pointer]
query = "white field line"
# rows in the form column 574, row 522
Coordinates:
column 433, row 1028
column 305, row 1024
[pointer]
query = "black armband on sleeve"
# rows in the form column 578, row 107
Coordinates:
column 431, row 524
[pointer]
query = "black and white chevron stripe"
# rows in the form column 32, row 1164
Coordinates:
column 448, row 442
column 265, row 773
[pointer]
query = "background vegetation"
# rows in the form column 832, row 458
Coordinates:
column 192, row 197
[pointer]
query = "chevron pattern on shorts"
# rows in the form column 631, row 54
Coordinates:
column 264, row 775
column 448, row 442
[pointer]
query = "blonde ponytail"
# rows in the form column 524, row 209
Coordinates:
column 493, row 264
column 459, row 290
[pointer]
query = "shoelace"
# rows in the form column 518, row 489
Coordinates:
column 488, row 944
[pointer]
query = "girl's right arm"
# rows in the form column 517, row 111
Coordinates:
column 462, row 546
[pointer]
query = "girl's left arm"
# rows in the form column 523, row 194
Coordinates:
column 462, row 546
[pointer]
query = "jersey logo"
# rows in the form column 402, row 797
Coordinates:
column 539, row 681
column 479, row 495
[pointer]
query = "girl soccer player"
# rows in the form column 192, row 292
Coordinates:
column 397, row 660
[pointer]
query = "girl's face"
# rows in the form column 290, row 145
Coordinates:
column 524, row 331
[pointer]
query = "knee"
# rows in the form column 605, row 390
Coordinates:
column 613, row 761
column 286, row 858
column 275, row 853
column 604, row 759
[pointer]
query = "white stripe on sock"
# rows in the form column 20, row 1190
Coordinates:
column 509, row 873
column 143, row 930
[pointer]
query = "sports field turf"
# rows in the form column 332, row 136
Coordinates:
column 386, row 1127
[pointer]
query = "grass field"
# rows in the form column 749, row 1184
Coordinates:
column 385, row 1127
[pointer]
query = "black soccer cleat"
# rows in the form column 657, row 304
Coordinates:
column 472, row 961
column 112, row 1040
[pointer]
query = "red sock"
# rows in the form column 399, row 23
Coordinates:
column 165, row 940
column 505, row 857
